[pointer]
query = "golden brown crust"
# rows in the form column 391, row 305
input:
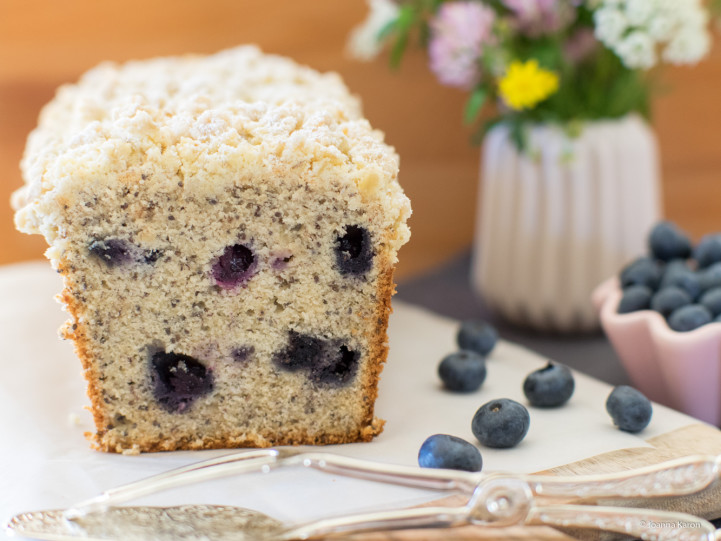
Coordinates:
column 111, row 445
column 379, row 342
column 76, row 330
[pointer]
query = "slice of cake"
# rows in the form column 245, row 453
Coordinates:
column 226, row 228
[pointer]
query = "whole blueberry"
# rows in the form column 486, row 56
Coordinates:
column 683, row 278
column 178, row 380
column 449, row 452
column 235, row 266
column 478, row 336
column 641, row 272
column 463, row 371
column 674, row 267
column 354, row 250
column 688, row 318
column 668, row 242
column 668, row 299
column 629, row 409
column 710, row 277
column 712, row 301
column 635, row 298
column 501, row 423
column 708, row 251
column 549, row 387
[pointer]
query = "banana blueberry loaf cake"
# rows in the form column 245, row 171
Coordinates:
column 227, row 228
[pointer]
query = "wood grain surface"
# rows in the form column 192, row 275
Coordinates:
column 44, row 43
column 694, row 439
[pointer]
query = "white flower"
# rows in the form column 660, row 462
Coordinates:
column 611, row 23
column 637, row 29
column 363, row 42
column 688, row 47
column 638, row 12
column 637, row 50
column 661, row 27
column 691, row 14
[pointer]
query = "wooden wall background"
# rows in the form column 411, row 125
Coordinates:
column 44, row 43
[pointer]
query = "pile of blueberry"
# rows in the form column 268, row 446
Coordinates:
column 680, row 281
column 503, row 423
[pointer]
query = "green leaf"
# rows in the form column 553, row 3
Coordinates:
column 398, row 49
column 403, row 25
column 519, row 135
column 386, row 30
column 716, row 7
column 547, row 52
column 424, row 34
column 474, row 104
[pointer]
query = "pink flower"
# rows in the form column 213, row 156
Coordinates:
column 538, row 17
column 458, row 34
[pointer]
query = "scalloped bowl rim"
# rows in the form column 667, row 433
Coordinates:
column 607, row 296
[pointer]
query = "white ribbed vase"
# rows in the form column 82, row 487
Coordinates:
column 557, row 221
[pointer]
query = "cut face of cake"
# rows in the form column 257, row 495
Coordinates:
column 227, row 229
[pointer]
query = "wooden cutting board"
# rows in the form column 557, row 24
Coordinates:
column 691, row 440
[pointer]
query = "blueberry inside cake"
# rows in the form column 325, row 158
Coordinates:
column 227, row 228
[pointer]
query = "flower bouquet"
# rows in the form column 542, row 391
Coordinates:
column 570, row 168
column 542, row 61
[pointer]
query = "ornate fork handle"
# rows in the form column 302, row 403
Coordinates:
column 505, row 502
column 638, row 523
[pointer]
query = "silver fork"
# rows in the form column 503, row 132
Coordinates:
column 495, row 499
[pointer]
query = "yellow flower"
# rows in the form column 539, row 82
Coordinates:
column 525, row 84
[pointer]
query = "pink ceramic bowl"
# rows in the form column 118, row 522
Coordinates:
column 679, row 370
